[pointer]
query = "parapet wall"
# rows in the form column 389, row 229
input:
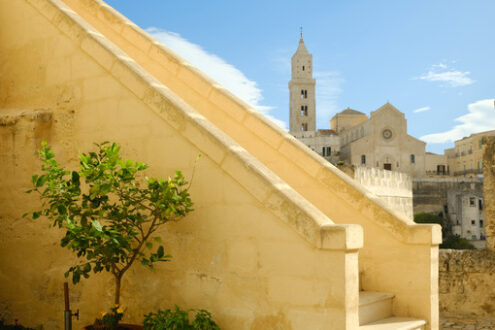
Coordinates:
column 394, row 188
column 466, row 283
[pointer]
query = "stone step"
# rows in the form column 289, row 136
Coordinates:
column 395, row 323
column 374, row 306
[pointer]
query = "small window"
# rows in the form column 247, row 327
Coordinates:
column 304, row 110
column 329, row 151
column 303, row 67
column 480, row 204
column 472, row 201
column 363, row 159
column 413, row 160
column 304, row 93
column 473, row 222
column 304, row 127
column 473, row 237
column 481, row 223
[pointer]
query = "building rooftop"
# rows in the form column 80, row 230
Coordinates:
column 350, row 111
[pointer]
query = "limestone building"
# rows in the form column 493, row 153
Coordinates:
column 379, row 141
column 303, row 107
column 465, row 159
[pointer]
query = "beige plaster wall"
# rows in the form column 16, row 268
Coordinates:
column 254, row 252
column 466, row 283
column 391, row 240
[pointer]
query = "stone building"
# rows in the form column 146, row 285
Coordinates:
column 303, row 107
column 465, row 211
column 382, row 142
column 466, row 158
column 379, row 141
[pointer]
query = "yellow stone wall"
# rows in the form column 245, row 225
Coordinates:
column 257, row 250
column 253, row 252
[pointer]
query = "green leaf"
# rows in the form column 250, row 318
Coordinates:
column 97, row 225
column 149, row 245
column 75, row 178
column 160, row 251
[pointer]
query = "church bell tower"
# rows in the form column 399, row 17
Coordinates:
column 302, row 92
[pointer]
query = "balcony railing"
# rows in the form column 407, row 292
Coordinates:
column 470, row 171
column 437, row 173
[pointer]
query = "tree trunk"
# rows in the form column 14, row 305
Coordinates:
column 117, row 289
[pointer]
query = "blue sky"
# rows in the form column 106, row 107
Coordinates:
column 433, row 60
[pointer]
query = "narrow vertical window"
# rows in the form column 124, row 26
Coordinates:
column 329, row 151
column 413, row 159
column 304, row 127
column 363, row 159
column 323, row 151
column 303, row 67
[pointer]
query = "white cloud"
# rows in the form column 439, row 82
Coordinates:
column 328, row 90
column 443, row 73
column 480, row 117
column 224, row 73
column 422, row 109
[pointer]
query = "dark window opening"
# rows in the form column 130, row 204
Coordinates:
column 387, row 166
column 472, row 201
column 303, row 67
column 413, row 159
column 473, row 222
column 304, row 94
column 304, row 110
column 326, row 151
column 480, row 204
column 481, row 223
column 304, row 127
column 363, row 159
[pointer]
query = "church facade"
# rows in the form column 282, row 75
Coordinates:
column 379, row 141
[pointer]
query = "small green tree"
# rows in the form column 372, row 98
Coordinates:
column 108, row 218
column 428, row 218
column 456, row 242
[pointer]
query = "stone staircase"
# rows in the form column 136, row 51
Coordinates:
column 375, row 313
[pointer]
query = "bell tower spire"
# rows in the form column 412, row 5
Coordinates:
column 302, row 91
